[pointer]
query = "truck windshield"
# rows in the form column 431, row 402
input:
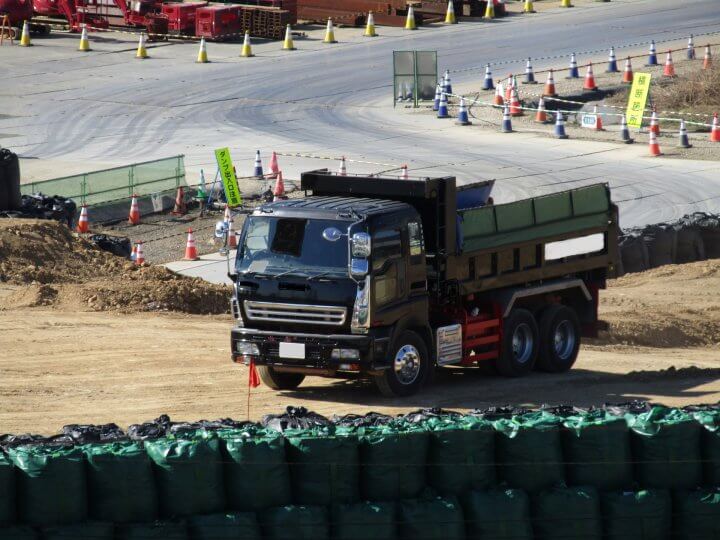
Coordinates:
column 273, row 245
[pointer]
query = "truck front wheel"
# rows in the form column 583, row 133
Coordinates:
column 280, row 381
column 409, row 367
column 559, row 339
column 519, row 344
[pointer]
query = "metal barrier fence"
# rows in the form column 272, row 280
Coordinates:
column 118, row 183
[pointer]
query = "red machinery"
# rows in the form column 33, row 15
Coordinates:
column 17, row 11
column 103, row 13
column 181, row 16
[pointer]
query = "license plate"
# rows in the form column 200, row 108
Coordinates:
column 292, row 350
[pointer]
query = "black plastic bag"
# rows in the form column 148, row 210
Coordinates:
column 117, row 245
column 85, row 434
column 150, row 430
column 362, row 420
column 294, row 418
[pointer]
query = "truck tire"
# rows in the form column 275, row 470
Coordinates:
column 279, row 381
column 559, row 339
column 519, row 344
column 409, row 368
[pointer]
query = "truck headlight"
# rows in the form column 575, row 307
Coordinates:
column 361, row 309
column 244, row 348
column 345, row 354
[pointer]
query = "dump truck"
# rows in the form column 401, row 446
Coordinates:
column 390, row 278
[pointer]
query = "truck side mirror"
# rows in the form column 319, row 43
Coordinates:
column 359, row 268
column 221, row 231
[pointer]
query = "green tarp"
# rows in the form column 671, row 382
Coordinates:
column 7, row 490
column 323, row 466
column 696, row 514
column 596, row 447
column 563, row 513
column 710, row 445
column 363, row 521
column 431, row 519
column 239, row 526
column 666, row 449
column 529, row 451
column 498, row 514
column 80, row 531
column 51, row 486
column 189, row 475
column 642, row 515
column 296, row 523
column 158, row 530
column 256, row 472
column 120, row 483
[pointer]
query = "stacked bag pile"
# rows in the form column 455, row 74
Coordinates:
column 630, row 471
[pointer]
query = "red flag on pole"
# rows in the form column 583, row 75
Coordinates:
column 253, row 377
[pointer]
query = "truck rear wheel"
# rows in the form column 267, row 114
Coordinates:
column 409, row 367
column 559, row 339
column 519, row 344
column 279, row 381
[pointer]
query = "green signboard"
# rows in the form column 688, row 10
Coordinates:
column 227, row 173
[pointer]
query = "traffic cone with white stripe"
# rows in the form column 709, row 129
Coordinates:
column 598, row 121
column 624, row 131
column 628, row 73
column 589, row 83
column 515, row 106
column 370, row 26
column 141, row 52
column 506, row 121
column 684, row 141
column 436, row 101
column 707, row 60
column 488, row 80
column 652, row 55
column 528, row 7
column 134, row 216
column 463, row 119
column 560, row 127
column 279, row 189
column 133, row 253
column 443, row 108
column 83, row 225
column 232, row 237
column 612, row 61
column 25, row 35
column 400, row 92
column 84, row 45
column 410, row 19
column 342, row 169
column 541, row 114
column 450, row 14
column 180, row 207
column 447, row 86
column 566, row 4
column 715, row 130
column 654, row 124
column 329, row 33
column 202, row 57
column 509, row 88
column 404, row 173
column 529, row 74
column 190, row 249
column 690, row 48
column 499, row 100
column 573, row 72
column 246, row 51
column 139, row 254
column 490, row 9
column 549, row 90
column 669, row 69
column 274, row 168
column 227, row 216
column 654, row 146
column 258, row 170
column 288, row 44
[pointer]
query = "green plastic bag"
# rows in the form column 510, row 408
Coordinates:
column 431, row 519
column 19, row 533
column 323, row 466
column 121, row 485
column 596, row 447
column 189, row 476
column 7, row 490
column 642, row 515
column 392, row 461
column 666, row 449
column 157, row 530
column 562, row 513
column 461, row 454
column 295, row 523
column 363, row 521
column 710, row 445
column 238, row 526
column 80, row 531
column 256, row 473
column 498, row 514
column 529, row 451
column 51, row 485
column 696, row 514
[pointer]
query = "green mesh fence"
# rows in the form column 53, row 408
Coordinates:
column 117, row 183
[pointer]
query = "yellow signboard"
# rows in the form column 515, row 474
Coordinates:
column 637, row 99
column 227, row 173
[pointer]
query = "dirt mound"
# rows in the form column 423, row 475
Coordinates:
column 52, row 266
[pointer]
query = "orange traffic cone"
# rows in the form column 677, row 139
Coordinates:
column 274, row 168
column 654, row 125
column 133, row 254
column 669, row 69
column 598, row 122
column 404, row 173
column 589, row 83
column 549, row 89
column 498, row 99
column 707, row 61
column 134, row 217
column 279, row 191
column 509, row 88
column 180, row 208
column 232, row 238
column 83, row 225
column 628, row 73
column 654, row 146
column 190, row 249
column 515, row 107
column 715, row 131
column 139, row 254
column 541, row 114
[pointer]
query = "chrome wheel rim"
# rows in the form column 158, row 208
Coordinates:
column 407, row 364
column 564, row 340
column 522, row 343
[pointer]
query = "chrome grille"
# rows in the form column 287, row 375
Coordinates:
column 295, row 313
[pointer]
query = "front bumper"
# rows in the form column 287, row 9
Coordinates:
column 318, row 350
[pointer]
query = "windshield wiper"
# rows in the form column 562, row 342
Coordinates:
column 259, row 275
column 287, row 273
column 321, row 274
